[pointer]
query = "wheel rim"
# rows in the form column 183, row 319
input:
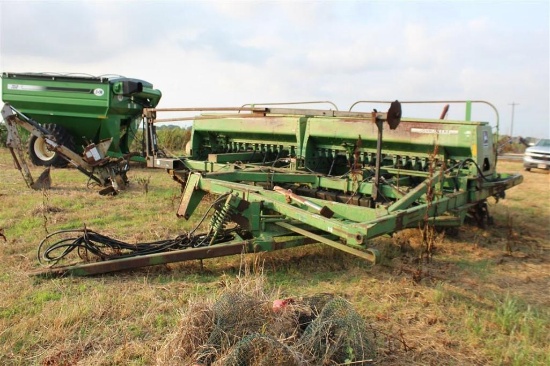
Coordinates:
column 41, row 150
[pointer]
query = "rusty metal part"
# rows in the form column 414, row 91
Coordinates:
column 357, row 154
column 444, row 111
column 294, row 103
column 290, row 196
column 108, row 266
column 394, row 115
column 104, row 171
column 96, row 154
column 371, row 255
column 376, row 182
column 150, row 113
column 467, row 102
column 14, row 144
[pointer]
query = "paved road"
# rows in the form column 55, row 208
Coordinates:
column 513, row 157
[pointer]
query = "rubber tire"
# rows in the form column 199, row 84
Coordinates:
column 41, row 156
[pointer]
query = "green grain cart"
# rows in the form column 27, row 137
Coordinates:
column 78, row 110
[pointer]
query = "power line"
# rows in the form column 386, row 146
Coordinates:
column 513, row 104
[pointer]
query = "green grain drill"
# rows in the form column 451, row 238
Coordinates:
column 286, row 177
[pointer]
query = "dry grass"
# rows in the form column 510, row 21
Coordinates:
column 241, row 327
column 482, row 300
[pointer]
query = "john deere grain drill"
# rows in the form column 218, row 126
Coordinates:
column 286, row 177
column 292, row 176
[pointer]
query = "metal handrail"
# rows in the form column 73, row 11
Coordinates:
column 433, row 102
column 291, row 103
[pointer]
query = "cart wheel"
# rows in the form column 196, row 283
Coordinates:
column 41, row 155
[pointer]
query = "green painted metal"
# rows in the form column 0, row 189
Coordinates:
column 191, row 198
column 370, row 254
column 433, row 172
column 231, row 157
column 468, row 111
column 89, row 108
column 315, row 142
column 277, row 134
column 354, row 225
column 95, row 268
column 416, row 193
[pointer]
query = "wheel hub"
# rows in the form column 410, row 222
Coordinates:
column 42, row 150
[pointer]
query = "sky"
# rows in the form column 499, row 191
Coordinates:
column 229, row 53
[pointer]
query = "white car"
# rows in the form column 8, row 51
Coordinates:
column 538, row 155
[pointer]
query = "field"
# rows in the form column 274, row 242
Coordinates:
column 483, row 299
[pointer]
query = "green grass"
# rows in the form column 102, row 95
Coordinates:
column 510, row 331
column 482, row 268
column 473, row 304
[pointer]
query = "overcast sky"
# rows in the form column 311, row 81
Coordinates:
column 227, row 53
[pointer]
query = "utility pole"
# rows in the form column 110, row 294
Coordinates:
column 513, row 104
